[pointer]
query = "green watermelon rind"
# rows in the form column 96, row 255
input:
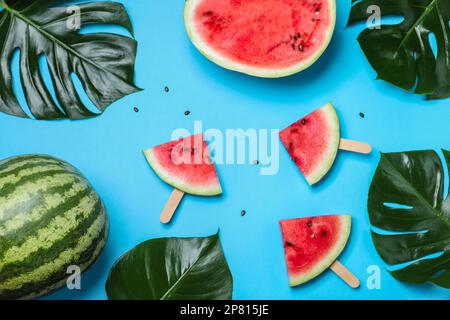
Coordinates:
column 332, row 256
column 83, row 268
column 333, row 146
column 218, row 59
column 205, row 190
column 12, row 168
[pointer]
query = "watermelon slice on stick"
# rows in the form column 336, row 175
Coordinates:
column 312, row 245
column 263, row 38
column 186, row 165
column 313, row 143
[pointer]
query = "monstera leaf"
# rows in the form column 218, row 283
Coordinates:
column 172, row 269
column 407, row 198
column 104, row 63
column 401, row 54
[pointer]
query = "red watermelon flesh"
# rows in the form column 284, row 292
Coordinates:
column 313, row 142
column 312, row 244
column 267, row 38
column 186, row 165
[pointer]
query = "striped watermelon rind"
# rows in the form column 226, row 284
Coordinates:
column 50, row 218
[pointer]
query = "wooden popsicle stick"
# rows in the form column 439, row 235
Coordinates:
column 355, row 146
column 171, row 206
column 345, row 274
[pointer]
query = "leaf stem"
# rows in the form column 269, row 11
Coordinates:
column 4, row 5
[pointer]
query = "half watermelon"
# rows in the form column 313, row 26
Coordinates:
column 264, row 38
column 186, row 165
column 311, row 245
column 313, row 142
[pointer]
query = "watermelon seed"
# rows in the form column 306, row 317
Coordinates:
column 324, row 233
column 187, row 112
column 255, row 162
column 208, row 13
column 166, row 89
column 243, row 213
column 362, row 115
column 303, row 121
column 300, row 47
column 309, row 224
column 136, row 109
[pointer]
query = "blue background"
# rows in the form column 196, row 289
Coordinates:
column 108, row 151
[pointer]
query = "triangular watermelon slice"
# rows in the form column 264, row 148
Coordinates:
column 311, row 245
column 313, row 142
column 186, row 165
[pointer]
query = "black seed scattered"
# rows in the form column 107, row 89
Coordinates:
column 187, row 112
column 324, row 233
column 303, row 121
column 309, row 224
column 136, row 109
column 243, row 213
column 362, row 115
column 208, row 13
column 166, row 89
column 255, row 162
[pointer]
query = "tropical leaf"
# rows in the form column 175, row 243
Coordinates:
column 172, row 269
column 407, row 198
column 402, row 54
column 103, row 62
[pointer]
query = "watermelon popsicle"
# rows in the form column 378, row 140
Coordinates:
column 313, row 244
column 186, row 165
column 313, row 143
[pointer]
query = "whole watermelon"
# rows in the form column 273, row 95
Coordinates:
column 50, row 218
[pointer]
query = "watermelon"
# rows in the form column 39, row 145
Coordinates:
column 186, row 165
column 313, row 142
column 50, row 218
column 263, row 38
column 311, row 245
